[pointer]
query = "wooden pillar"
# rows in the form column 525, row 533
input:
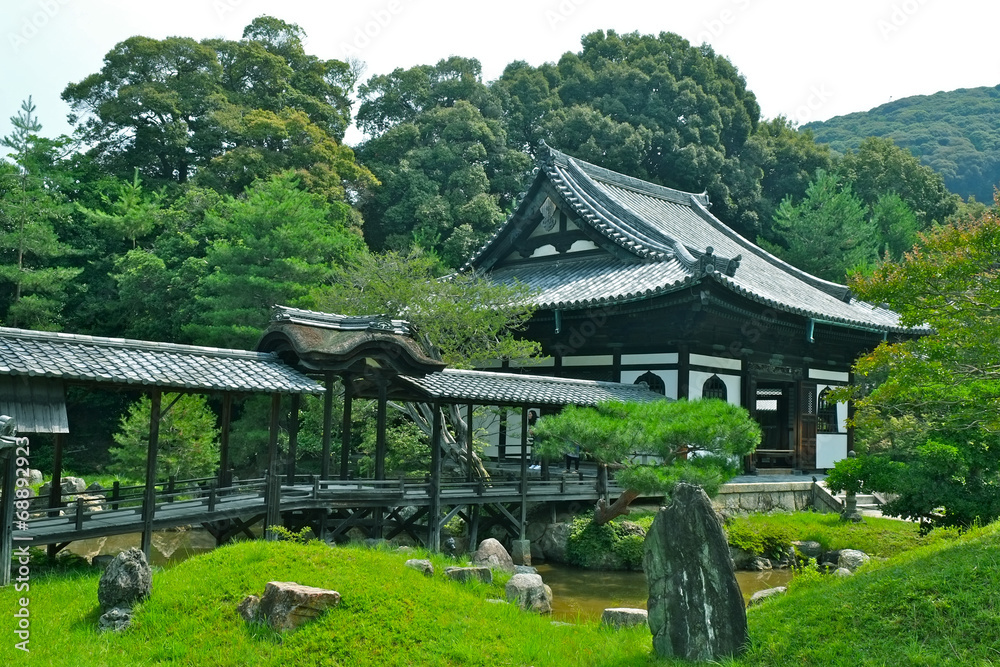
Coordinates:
column 225, row 478
column 7, row 516
column 434, row 512
column 683, row 371
column 502, row 438
column 272, row 498
column 468, row 442
column 324, row 463
column 474, row 528
column 345, row 428
column 293, row 438
column 380, row 426
column 524, row 471
column 149, row 499
column 55, row 493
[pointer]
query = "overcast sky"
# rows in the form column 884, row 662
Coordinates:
column 807, row 60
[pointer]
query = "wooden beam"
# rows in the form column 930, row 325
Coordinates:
column 293, row 437
column 345, row 426
column 225, row 478
column 149, row 498
column 273, row 488
column 434, row 518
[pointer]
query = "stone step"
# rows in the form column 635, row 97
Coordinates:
column 774, row 471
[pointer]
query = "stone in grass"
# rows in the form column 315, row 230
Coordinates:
column 696, row 609
column 249, row 609
column 421, row 565
column 287, row 605
column 115, row 619
column 852, row 559
column 623, row 617
column 842, row 572
column 492, row 554
column 529, row 593
column 760, row 596
column 483, row 574
column 127, row 579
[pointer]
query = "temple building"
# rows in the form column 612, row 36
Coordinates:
column 636, row 282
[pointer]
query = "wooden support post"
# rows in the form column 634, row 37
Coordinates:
column 7, row 516
column 116, row 493
column 502, row 438
column 524, row 471
column 225, row 475
column 149, row 497
column 55, row 493
column 434, row 517
column 468, row 442
column 273, row 484
column 324, row 461
column 345, row 426
column 380, row 426
column 474, row 529
column 293, row 438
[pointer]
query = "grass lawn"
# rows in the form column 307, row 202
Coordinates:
column 936, row 604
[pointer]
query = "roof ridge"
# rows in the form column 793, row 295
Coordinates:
column 629, row 182
column 132, row 344
column 836, row 290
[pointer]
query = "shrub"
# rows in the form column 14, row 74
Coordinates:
column 759, row 538
column 614, row 544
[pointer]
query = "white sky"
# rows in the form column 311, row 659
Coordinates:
column 808, row 60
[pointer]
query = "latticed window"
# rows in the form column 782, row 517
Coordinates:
column 714, row 388
column 653, row 381
column 826, row 415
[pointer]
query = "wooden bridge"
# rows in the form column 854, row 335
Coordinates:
column 380, row 508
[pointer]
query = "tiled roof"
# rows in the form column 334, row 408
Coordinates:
column 142, row 363
column 488, row 388
column 675, row 242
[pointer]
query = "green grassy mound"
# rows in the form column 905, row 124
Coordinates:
column 389, row 615
column 935, row 605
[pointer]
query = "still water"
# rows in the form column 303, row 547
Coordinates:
column 576, row 594
column 584, row 594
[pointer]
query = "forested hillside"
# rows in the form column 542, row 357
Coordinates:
column 956, row 133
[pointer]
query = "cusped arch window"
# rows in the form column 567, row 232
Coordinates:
column 653, row 381
column 826, row 414
column 714, row 387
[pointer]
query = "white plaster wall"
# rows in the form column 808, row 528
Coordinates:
column 830, row 448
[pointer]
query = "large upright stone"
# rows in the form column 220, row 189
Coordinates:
column 492, row 554
column 695, row 606
column 529, row 593
column 128, row 579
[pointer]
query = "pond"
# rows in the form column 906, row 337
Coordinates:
column 579, row 594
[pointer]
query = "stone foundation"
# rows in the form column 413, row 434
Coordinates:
column 737, row 499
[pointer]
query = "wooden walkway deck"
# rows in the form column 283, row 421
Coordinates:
column 232, row 510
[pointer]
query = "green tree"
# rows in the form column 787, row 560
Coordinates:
column 879, row 167
column 224, row 112
column 926, row 409
column 827, row 234
column 684, row 114
column 697, row 442
column 439, row 146
column 272, row 246
column 32, row 258
column 188, row 440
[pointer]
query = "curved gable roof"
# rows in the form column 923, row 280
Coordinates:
column 675, row 242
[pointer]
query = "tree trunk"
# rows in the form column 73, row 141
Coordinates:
column 604, row 512
column 422, row 415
